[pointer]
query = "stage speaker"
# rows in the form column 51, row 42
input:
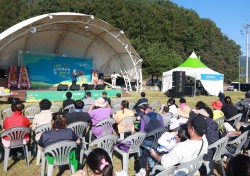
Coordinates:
column 179, row 79
column 100, row 87
column 62, row 87
column 189, row 91
column 75, row 87
column 173, row 94
column 101, row 76
column 84, row 85
column 2, row 73
column 90, row 87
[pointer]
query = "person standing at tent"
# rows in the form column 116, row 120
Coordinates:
column 113, row 79
column 74, row 77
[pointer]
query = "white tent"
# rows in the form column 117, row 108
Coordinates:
column 77, row 35
column 211, row 80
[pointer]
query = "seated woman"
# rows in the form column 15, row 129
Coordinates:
column 99, row 111
column 100, row 164
column 58, row 133
column 121, row 114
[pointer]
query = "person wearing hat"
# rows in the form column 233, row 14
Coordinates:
column 149, row 122
column 189, row 149
column 99, row 111
column 212, row 133
column 217, row 113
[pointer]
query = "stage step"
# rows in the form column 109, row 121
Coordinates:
column 21, row 94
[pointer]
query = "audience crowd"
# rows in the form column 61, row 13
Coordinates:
column 188, row 130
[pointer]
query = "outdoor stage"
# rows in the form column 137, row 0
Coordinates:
column 37, row 95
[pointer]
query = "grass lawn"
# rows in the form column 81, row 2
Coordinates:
column 20, row 168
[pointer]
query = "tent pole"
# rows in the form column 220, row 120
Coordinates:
column 195, row 86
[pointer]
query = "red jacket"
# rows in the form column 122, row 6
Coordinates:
column 16, row 120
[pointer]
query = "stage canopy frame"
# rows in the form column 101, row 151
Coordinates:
column 75, row 35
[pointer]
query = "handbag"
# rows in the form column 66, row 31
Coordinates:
column 125, row 146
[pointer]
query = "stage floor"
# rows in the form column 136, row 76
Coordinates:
column 35, row 95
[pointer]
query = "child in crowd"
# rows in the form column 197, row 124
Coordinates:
column 168, row 140
column 99, row 164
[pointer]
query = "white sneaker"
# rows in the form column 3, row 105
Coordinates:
column 142, row 172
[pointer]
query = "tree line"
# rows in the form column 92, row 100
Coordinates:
column 163, row 33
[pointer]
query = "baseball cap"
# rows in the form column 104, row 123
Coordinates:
column 199, row 123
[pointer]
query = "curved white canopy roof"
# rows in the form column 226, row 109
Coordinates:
column 73, row 34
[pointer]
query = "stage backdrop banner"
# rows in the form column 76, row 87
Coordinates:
column 49, row 70
column 34, row 96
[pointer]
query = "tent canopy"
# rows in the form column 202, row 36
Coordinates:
column 211, row 80
column 75, row 35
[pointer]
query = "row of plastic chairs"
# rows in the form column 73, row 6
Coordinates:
column 16, row 136
column 117, row 107
column 70, row 108
column 188, row 168
column 29, row 112
column 107, row 140
column 236, row 119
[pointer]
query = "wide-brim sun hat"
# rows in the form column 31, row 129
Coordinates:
column 100, row 102
column 217, row 104
column 184, row 111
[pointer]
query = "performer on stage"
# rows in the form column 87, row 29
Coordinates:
column 113, row 79
column 74, row 77
column 94, row 77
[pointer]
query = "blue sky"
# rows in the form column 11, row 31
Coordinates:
column 229, row 16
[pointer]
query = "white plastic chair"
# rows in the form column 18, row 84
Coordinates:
column 116, row 102
column 187, row 168
column 136, row 140
column 167, row 118
column 70, row 108
column 31, row 111
column 154, row 105
column 164, row 171
column 106, row 142
column 6, row 113
column 41, row 129
column 190, row 167
column 131, row 105
column 236, row 145
column 220, row 121
column 219, row 147
column 106, row 125
column 86, row 108
column 248, row 112
column 16, row 136
column 60, row 151
column 55, row 108
column 116, row 108
column 80, row 129
column 235, row 119
column 156, row 134
column 127, row 123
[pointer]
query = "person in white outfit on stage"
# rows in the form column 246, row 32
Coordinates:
column 113, row 79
